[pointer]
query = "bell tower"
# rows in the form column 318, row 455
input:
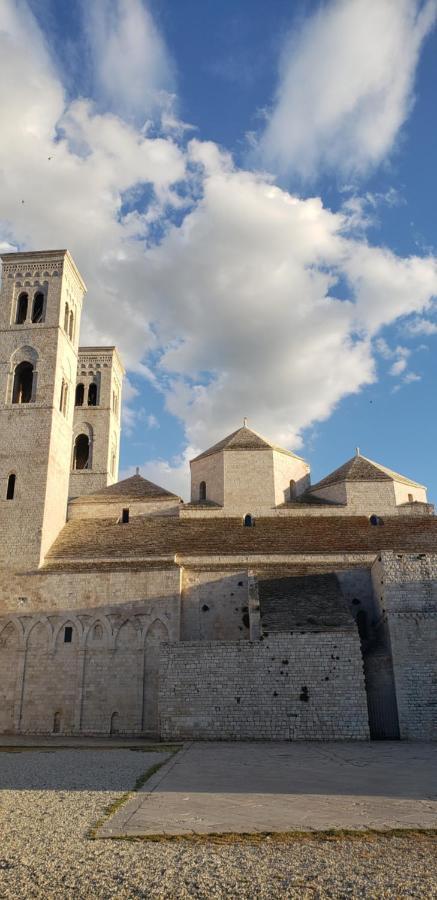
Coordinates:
column 40, row 310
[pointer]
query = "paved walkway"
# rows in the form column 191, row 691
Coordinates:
column 210, row 788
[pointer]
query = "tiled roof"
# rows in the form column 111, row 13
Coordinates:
column 243, row 439
column 158, row 536
column 134, row 488
column 359, row 468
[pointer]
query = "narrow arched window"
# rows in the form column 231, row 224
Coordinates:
column 114, row 723
column 23, row 383
column 80, row 393
column 410, row 498
column 71, row 326
column 202, row 490
column 64, row 399
column 38, row 307
column 22, row 305
column 81, row 458
column 57, row 723
column 92, row 394
column 248, row 521
column 11, row 487
column 66, row 318
column 292, row 489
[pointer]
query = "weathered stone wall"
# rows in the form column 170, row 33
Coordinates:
column 214, row 605
column 290, row 687
column 108, row 671
column 408, row 588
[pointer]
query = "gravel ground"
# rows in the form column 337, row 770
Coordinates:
column 49, row 801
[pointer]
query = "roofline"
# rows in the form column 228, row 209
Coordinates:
column 113, row 349
column 43, row 254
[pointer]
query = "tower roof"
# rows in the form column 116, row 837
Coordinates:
column 359, row 468
column 243, row 439
column 134, row 488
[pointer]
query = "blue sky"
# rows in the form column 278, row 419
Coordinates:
column 249, row 191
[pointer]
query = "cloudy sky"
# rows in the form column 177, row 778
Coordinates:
column 249, row 190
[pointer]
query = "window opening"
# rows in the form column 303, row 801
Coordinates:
column 66, row 318
column 202, row 490
column 92, row 394
column 125, row 516
column 292, row 489
column 23, row 301
column 80, row 393
column 11, row 487
column 68, row 634
column 248, row 521
column 38, row 307
column 114, row 723
column 71, row 326
column 57, row 723
column 23, row 383
column 82, row 452
column 410, row 498
column 376, row 520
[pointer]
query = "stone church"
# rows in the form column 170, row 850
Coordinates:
column 267, row 607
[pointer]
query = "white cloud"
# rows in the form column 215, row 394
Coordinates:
column 346, row 85
column 234, row 313
column 132, row 66
column 172, row 474
column 420, row 326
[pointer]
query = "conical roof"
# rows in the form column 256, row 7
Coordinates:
column 134, row 488
column 359, row 468
column 243, row 439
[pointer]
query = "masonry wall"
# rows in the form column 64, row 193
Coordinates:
column 290, row 687
column 408, row 587
column 214, row 605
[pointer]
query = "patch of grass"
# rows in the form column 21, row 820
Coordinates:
column 285, row 837
column 120, row 801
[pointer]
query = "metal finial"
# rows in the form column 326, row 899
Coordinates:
column 137, row 470
column 245, row 421
column 357, row 451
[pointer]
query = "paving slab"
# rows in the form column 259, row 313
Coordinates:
column 216, row 788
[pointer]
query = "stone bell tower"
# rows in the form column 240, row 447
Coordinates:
column 40, row 310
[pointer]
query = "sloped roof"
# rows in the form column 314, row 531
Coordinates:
column 243, row 439
column 88, row 539
column 134, row 488
column 359, row 468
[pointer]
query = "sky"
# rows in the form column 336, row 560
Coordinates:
column 248, row 189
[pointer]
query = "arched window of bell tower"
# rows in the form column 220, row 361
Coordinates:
column 23, row 383
column 81, row 457
column 92, row 394
column 71, row 326
column 38, row 307
column 66, row 318
column 22, row 305
column 80, row 393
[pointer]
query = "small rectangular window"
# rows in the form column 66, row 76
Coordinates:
column 68, row 634
column 125, row 516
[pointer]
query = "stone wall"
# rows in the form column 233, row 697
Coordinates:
column 408, row 592
column 214, row 605
column 289, row 687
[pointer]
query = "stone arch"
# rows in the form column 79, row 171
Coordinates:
column 82, row 457
column 103, row 637
column 39, row 636
column 64, row 636
column 156, row 634
column 127, row 635
column 10, row 638
column 22, row 375
column 10, row 645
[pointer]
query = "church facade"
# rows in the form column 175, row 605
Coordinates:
column 267, row 607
